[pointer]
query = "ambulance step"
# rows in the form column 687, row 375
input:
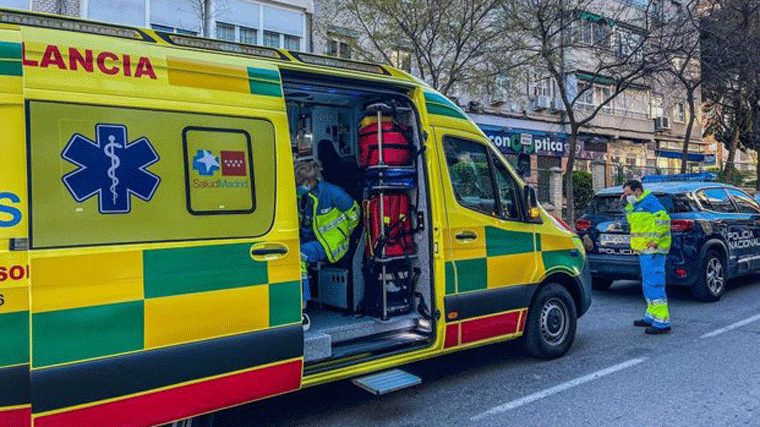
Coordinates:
column 388, row 381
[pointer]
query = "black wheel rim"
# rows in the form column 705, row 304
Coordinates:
column 555, row 321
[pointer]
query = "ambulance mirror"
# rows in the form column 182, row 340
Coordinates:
column 531, row 204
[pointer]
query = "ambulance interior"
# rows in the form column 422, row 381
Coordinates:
column 353, row 311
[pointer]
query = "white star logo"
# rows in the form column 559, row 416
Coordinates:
column 208, row 160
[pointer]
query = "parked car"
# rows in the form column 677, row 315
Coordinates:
column 715, row 234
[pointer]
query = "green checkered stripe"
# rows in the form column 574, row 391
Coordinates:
column 439, row 105
column 265, row 82
column 10, row 59
column 90, row 332
column 472, row 274
column 14, row 336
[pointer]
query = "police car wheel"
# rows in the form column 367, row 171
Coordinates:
column 601, row 284
column 712, row 278
column 550, row 328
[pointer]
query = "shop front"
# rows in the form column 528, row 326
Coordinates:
column 547, row 149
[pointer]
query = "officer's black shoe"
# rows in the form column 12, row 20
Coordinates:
column 656, row 331
column 642, row 323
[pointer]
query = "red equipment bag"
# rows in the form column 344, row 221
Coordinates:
column 397, row 149
column 397, row 240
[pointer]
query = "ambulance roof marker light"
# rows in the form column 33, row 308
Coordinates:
column 329, row 61
column 220, row 45
column 69, row 25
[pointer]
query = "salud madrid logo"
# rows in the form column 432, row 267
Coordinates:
column 111, row 167
column 231, row 164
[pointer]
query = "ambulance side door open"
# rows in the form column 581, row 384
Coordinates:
column 491, row 246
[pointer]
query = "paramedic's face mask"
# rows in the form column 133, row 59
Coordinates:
column 305, row 186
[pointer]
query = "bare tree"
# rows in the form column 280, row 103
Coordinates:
column 731, row 64
column 679, row 43
column 449, row 42
column 569, row 43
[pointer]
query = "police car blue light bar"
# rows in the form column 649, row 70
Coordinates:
column 702, row 176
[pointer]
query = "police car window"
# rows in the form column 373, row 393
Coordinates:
column 716, row 200
column 507, row 188
column 745, row 203
column 606, row 205
column 470, row 174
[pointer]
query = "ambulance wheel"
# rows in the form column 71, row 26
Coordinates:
column 600, row 284
column 712, row 278
column 550, row 329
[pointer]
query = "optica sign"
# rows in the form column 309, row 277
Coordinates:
column 514, row 141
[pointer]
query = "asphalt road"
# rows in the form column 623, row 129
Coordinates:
column 705, row 373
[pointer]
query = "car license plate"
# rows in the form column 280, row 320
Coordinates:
column 615, row 239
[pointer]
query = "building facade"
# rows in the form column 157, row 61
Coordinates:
column 282, row 24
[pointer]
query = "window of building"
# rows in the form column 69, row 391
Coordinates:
column 629, row 44
column 602, row 94
column 291, row 42
column 597, row 33
column 225, row 31
column 271, row 39
column 679, row 112
column 339, row 47
column 248, row 35
column 544, row 87
column 402, row 59
column 167, row 29
column 585, row 99
column 655, row 108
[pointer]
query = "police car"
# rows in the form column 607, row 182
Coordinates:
column 715, row 234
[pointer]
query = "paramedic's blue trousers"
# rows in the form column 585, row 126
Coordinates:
column 653, row 280
column 311, row 252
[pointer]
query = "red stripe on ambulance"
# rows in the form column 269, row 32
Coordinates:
column 489, row 327
column 16, row 417
column 184, row 401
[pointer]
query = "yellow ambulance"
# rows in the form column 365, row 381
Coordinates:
column 150, row 266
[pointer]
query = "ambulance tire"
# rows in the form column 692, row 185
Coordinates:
column 711, row 282
column 599, row 284
column 552, row 319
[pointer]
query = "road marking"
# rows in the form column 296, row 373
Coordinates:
column 556, row 389
column 732, row 326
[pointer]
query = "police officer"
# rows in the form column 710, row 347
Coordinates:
column 650, row 238
column 327, row 216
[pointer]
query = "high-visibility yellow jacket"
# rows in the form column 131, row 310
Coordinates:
column 333, row 215
column 649, row 223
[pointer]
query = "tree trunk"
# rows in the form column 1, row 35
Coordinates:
column 687, row 137
column 569, row 190
column 731, row 151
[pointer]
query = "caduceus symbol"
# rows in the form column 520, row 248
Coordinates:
column 115, row 162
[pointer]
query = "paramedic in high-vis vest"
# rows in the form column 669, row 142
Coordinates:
column 650, row 238
column 327, row 215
